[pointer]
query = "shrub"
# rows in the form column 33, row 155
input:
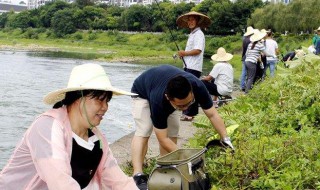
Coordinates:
column 92, row 36
column 77, row 36
column 278, row 137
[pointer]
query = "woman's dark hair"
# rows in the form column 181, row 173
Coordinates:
column 178, row 87
column 254, row 44
column 75, row 95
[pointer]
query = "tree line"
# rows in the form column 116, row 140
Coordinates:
column 296, row 17
column 227, row 17
column 64, row 18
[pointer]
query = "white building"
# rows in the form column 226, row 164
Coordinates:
column 7, row 6
column 279, row 1
column 33, row 4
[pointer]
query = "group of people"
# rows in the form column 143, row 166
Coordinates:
column 64, row 148
column 259, row 53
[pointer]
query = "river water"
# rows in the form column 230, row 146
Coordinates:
column 26, row 77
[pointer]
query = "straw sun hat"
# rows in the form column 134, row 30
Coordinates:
column 249, row 31
column 257, row 35
column 221, row 55
column 299, row 53
column 317, row 29
column 204, row 21
column 85, row 77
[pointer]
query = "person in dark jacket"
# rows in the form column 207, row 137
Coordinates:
column 245, row 42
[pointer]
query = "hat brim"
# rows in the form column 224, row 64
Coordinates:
column 257, row 37
column 204, row 21
column 58, row 95
column 248, row 33
column 226, row 57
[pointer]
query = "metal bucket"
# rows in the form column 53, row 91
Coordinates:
column 183, row 169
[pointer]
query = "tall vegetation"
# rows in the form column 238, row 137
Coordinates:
column 277, row 141
column 297, row 16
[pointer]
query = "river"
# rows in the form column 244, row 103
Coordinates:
column 25, row 77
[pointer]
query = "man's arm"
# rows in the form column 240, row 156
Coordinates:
column 164, row 141
column 216, row 121
column 218, row 124
column 207, row 78
column 193, row 52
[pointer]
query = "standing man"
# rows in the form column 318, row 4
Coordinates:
column 272, row 51
column 192, row 56
column 316, row 41
column 162, row 92
column 245, row 42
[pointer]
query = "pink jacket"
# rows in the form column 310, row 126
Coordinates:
column 42, row 159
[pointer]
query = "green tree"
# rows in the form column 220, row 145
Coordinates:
column 4, row 19
column 84, row 3
column 88, row 17
column 49, row 10
column 63, row 23
column 299, row 15
column 113, row 16
column 136, row 18
column 21, row 20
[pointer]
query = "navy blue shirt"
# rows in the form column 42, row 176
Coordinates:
column 245, row 43
column 151, row 85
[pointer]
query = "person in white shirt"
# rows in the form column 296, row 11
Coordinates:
column 192, row 56
column 220, row 80
column 272, row 51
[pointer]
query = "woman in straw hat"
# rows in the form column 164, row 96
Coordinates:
column 193, row 53
column 63, row 148
column 254, row 52
column 220, row 80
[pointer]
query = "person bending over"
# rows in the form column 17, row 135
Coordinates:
column 163, row 92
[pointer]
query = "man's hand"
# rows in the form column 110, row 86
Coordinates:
column 181, row 53
column 227, row 141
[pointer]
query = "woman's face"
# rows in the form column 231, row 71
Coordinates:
column 95, row 109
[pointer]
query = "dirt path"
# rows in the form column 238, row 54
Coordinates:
column 121, row 148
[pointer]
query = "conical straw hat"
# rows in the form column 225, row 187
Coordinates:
column 204, row 21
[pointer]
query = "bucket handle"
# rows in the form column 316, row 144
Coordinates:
column 217, row 142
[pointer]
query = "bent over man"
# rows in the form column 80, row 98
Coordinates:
column 163, row 92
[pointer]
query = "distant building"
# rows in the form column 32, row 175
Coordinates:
column 279, row 1
column 7, row 6
column 33, row 4
column 128, row 3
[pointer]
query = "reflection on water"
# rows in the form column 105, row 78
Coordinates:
column 26, row 78
column 59, row 54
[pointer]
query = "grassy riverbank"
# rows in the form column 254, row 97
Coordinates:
column 140, row 48
column 114, row 46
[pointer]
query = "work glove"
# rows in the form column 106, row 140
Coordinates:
column 226, row 141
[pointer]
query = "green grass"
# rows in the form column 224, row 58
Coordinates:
column 140, row 48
